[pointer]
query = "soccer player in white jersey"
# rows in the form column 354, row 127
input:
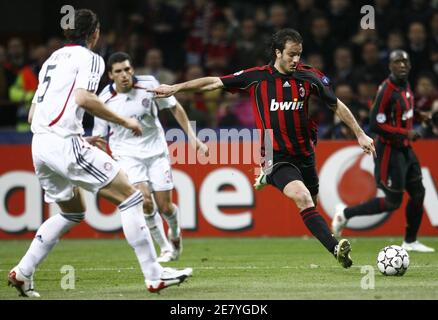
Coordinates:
column 65, row 162
column 145, row 158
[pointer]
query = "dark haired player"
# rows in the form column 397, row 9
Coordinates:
column 279, row 93
column 145, row 158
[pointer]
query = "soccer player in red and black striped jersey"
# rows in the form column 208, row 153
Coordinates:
column 396, row 167
column 280, row 93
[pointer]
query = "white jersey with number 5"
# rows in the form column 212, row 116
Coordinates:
column 139, row 104
column 67, row 69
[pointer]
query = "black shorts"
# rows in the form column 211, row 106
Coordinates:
column 288, row 168
column 396, row 167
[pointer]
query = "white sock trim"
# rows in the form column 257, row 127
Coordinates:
column 133, row 200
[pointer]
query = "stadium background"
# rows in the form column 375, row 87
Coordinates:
column 182, row 40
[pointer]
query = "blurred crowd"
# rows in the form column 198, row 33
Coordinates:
column 182, row 40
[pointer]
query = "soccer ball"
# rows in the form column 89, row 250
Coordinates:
column 393, row 261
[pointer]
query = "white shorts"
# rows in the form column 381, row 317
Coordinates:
column 155, row 170
column 63, row 163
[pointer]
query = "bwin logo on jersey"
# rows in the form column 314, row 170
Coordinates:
column 286, row 105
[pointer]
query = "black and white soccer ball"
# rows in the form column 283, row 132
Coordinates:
column 393, row 261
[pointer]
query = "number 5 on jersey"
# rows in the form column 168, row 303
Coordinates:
column 47, row 79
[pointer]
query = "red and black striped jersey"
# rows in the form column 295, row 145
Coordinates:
column 280, row 103
column 392, row 113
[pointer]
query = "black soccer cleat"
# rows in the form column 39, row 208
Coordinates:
column 342, row 253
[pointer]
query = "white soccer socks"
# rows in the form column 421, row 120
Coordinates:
column 45, row 239
column 173, row 222
column 138, row 236
column 155, row 225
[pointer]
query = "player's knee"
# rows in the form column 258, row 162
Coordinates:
column 393, row 201
column 166, row 208
column 391, row 206
column 148, row 205
column 122, row 187
column 303, row 199
column 418, row 194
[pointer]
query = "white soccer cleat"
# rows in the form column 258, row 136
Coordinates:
column 260, row 181
column 416, row 246
column 24, row 285
column 176, row 244
column 169, row 277
column 166, row 256
column 339, row 221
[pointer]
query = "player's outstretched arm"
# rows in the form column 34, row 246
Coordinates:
column 347, row 117
column 90, row 102
column 201, row 84
column 181, row 116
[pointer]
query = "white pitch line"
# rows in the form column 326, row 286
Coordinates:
column 229, row 268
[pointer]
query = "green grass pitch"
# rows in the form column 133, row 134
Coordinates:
column 228, row 269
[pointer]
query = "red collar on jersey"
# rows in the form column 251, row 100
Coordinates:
column 76, row 43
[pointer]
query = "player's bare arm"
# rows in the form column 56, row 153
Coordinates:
column 31, row 112
column 181, row 116
column 201, row 84
column 90, row 102
column 347, row 117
